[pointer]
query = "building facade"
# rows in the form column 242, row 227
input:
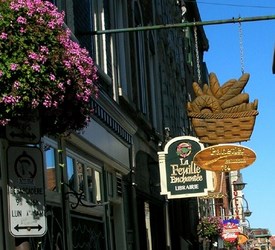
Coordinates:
column 102, row 187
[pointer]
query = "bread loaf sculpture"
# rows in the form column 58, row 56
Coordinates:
column 222, row 114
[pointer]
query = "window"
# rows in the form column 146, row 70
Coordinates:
column 101, row 21
column 90, row 16
column 140, row 63
column 84, row 177
column 70, row 172
column 121, row 61
column 50, row 156
column 83, row 25
column 50, row 168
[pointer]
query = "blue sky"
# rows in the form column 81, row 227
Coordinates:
column 223, row 58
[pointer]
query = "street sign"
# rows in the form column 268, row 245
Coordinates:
column 24, row 132
column 26, row 193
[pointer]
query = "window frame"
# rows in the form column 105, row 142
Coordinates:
column 86, row 163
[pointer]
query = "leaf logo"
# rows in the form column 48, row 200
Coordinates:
column 184, row 149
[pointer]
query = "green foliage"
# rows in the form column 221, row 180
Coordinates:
column 42, row 69
column 210, row 227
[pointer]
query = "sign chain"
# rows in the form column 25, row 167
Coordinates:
column 241, row 47
column 197, row 54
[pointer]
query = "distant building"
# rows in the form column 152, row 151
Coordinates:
column 261, row 239
column 272, row 242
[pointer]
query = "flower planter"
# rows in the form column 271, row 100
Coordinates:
column 42, row 70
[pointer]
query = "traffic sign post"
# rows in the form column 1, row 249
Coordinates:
column 26, row 193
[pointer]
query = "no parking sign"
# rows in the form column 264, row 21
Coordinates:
column 26, row 192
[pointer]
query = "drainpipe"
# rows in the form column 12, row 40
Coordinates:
column 134, row 198
column 61, row 164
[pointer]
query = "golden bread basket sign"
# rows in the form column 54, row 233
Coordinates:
column 224, row 157
column 222, row 113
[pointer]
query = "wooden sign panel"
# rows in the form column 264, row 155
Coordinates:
column 224, row 157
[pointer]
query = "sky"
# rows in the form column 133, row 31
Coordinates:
column 224, row 58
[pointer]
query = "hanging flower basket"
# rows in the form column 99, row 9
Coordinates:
column 42, row 70
column 209, row 227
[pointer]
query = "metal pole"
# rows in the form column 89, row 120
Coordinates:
column 180, row 25
column 167, row 225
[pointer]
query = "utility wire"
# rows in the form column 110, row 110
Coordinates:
column 235, row 5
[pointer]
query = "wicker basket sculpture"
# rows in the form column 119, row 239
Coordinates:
column 222, row 114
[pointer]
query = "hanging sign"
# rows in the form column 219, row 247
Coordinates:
column 225, row 157
column 180, row 177
column 231, row 229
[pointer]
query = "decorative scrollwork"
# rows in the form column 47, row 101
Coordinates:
column 80, row 198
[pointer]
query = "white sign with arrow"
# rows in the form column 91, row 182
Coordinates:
column 26, row 192
column 24, row 132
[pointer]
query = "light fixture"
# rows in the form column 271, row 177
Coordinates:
column 239, row 184
column 247, row 213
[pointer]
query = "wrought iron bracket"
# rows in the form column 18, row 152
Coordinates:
column 80, row 198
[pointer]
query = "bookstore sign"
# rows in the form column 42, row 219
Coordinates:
column 180, row 177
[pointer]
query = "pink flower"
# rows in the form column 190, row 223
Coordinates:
column 21, row 20
column 13, row 66
column 35, row 103
column 4, row 122
column 36, row 67
column 22, row 30
column 61, row 86
column 89, row 81
column 16, row 84
column 52, row 77
column 10, row 99
column 4, row 36
column 33, row 55
column 47, row 101
column 44, row 49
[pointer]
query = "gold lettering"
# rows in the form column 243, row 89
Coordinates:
column 228, row 161
column 227, row 151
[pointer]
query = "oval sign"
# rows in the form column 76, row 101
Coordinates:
column 224, row 157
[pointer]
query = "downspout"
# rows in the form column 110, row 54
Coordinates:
column 61, row 165
column 107, row 224
column 134, row 197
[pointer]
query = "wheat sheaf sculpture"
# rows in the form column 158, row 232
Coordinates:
column 222, row 114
